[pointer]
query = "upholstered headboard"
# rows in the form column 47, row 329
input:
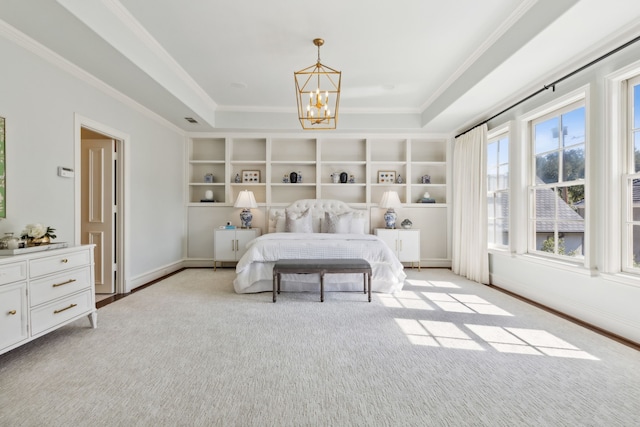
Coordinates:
column 317, row 208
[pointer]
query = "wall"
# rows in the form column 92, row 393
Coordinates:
column 607, row 300
column 39, row 101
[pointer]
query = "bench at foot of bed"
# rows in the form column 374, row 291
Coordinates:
column 321, row 267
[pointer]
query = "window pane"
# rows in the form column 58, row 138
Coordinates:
column 636, row 246
column 547, row 168
column 571, row 242
column 546, row 135
column 502, row 204
column 545, row 241
column 636, row 150
column 571, row 203
column 635, row 200
column 492, row 179
column 503, row 176
column 492, row 154
column 503, row 150
column 545, row 204
column 573, row 163
column 502, row 233
column 573, row 127
column 636, row 106
column 491, row 212
column 491, row 239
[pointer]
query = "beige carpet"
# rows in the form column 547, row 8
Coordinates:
column 188, row 351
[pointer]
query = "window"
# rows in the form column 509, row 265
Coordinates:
column 632, row 182
column 498, row 191
column 557, row 199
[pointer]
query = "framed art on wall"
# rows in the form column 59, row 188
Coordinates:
column 386, row 177
column 251, row 176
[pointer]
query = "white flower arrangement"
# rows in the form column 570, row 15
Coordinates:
column 37, row 231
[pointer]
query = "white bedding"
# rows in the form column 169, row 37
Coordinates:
column 254, row 271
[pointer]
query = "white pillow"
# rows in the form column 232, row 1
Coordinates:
column 280, row 221
column 337, row 223
column 298, row 223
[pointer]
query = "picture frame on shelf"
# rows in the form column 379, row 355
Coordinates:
column 386, row 177
column 251, row 176
column 208, row 178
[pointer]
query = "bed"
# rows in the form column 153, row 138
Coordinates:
column 311, row 229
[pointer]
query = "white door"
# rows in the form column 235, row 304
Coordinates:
column 98, row 165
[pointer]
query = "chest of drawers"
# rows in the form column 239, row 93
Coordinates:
column 42, row 291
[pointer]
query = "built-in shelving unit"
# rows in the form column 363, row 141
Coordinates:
column 316, row 159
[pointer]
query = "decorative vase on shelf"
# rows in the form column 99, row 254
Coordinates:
column 344, row 177
column 293, row 177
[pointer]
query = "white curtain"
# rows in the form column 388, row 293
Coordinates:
column 470, row 257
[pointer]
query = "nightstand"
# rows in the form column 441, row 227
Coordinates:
column 229, row 244
column 404, row 242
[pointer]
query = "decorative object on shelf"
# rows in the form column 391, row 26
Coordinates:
column 246, row 201
column 208, row 178
column 352, row 179
column 208, row 195
column 299, row 177
column 315, row 83
column 390, row 200
column 251, row 176
column 425, row 179
column 426, row 198
column 285, row 179
column 293, row 177
column 386, row 177
column 237, row 179
column 399, row 180
column 335, row 177
column 344, row 177
column 38, row 234
column 9, row 241
column 406, row 223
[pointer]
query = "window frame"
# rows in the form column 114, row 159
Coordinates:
column 572, row 101
column 495, row 136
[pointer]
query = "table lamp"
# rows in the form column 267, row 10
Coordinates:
column 246, row 201
column 390, row 200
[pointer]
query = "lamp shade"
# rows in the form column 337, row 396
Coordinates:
column 246, row 200
column 390, row 199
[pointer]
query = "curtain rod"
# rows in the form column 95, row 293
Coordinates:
column 552, row 85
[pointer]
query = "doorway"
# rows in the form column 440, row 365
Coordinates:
column 100, row 203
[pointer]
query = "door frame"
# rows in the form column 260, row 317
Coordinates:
column 122, row 174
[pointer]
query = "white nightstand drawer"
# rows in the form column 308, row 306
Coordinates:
column 13, row 272
column 56, row 263
column 52, row 314
column 50, row 288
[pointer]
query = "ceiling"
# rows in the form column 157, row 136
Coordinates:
column 432, row 65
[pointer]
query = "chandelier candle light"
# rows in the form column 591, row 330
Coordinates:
column 320, row 85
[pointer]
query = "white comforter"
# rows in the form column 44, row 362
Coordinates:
column 254, row 272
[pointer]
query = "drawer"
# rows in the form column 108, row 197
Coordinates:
column 49, row 315
column 59, row 285
column 13, row 272
column 56, row 263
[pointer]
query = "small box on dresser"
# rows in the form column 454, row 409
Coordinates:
column 60, row 286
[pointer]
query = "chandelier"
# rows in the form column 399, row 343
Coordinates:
column 318, row 94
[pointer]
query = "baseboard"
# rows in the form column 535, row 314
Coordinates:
column 156, row 274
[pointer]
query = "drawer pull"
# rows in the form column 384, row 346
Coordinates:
column 64, row 260
column 12, row 312
column 63, row 309
column 55, row 285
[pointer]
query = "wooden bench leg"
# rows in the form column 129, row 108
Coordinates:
column 321, row 287
column 275, row 278
column 369, row 280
